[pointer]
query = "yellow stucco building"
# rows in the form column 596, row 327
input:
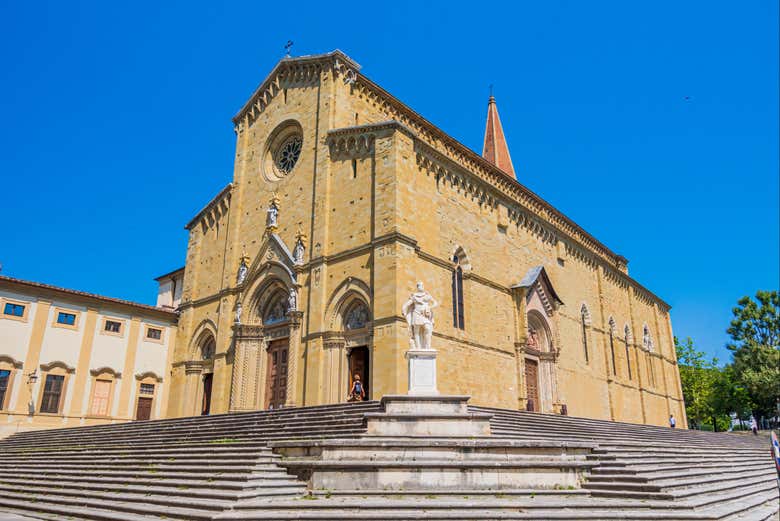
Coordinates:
column 342, row 199
column 70, row 358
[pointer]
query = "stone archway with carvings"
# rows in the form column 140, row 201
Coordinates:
column 538, row 342
column 266, row 332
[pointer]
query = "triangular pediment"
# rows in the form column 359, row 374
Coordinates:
column 275, row 251
column 537, row 282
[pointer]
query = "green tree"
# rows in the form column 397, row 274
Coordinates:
column 755, row 344
column 728, row 396
column 696, row 376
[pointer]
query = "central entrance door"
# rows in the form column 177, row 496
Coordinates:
column 358, row 364
column 144, row 409
column 276, row 379
column 206, row 405
column 532, row 384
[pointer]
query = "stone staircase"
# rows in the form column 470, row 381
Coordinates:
column 224, row 468
column 189, row 468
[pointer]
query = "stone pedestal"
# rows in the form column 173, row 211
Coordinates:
column 422, row 371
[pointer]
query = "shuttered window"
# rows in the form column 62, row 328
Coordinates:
column 100, row 398
column 52, row 392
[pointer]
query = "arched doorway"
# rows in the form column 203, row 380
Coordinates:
column 277, row 331
column 208, row 348
column 355, row 321
column 539, row 357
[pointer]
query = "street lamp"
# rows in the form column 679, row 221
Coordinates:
column 31, row 379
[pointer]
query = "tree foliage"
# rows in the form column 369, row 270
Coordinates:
column 755, row 347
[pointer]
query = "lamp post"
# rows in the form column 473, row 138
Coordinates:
column 31, row 379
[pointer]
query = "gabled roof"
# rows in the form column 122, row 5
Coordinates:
column 29, row 287
column 538, row 273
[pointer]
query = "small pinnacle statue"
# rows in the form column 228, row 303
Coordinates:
column 300, row 248
column 418, row 311
column 272, row 214
column 292, row 300
column 239, row 309
column 242, row 271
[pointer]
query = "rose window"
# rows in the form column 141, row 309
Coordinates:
column 288, row 154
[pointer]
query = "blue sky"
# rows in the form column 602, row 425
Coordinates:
column 653, row 125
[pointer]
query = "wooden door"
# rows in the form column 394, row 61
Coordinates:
column 276, row 376
column 206, row 404
column 532, row 384
column 100, row 398
column 358, row 364
column 144, row 409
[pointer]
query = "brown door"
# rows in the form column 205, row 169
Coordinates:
column 276, row 379
column 206, row 405
column 358, row 364
column 144, row 410
column 532, row 384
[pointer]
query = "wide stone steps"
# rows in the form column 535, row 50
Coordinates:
column 190, row 468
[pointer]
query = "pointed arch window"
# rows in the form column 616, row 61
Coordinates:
column 458, row 320
column 584, row 325
column 627, row 336
column 209, row 348
column 612, row 345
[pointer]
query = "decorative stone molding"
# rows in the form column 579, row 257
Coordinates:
column 248, row 331
column 16, row 364
column 215, row 208
column 193, row 367
column 102, row 370
column 148, row 374
column 57, row 364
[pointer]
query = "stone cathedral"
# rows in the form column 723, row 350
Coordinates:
column 342, row 199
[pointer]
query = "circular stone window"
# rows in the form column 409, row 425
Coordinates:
column 282, row 151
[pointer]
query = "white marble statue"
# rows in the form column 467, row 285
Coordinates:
column 272, row 215
column 418, row 311
column 239, row 310
column 242, row 271
column 293, row 300
column 298, row 252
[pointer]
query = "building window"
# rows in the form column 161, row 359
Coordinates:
column 458, row 320
column 13, row 310
column 207, row 350
column 356, row 316
column 288, row 154
column 584, row 325
column 5, row 377
column 146, row 389
column 66, row 319
column 52, row 392
column 112, row 326
column 628, row 356
column 101, row 395
column 612, row 344
column 154, row 334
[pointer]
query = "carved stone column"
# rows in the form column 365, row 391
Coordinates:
column 192, row 390
column 249, row 346
column 293, row 355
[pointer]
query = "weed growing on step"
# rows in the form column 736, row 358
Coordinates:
column 223, row 441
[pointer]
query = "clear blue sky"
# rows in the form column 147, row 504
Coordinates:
column 653, row 125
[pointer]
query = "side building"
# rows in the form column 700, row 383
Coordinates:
column 70, row 358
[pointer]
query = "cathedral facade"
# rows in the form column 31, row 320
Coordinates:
column 342, row 199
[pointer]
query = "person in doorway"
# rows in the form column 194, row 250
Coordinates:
column 672, row 421
column 754, row 425
column 357, row 393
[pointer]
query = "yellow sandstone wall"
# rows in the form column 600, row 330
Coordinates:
column 380, row 217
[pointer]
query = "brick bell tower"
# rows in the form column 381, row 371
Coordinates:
column 495, row 148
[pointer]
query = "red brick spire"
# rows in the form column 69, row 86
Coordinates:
column 495, row 149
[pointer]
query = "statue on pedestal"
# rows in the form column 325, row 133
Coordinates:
column 418, row 311
column 272, row 214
